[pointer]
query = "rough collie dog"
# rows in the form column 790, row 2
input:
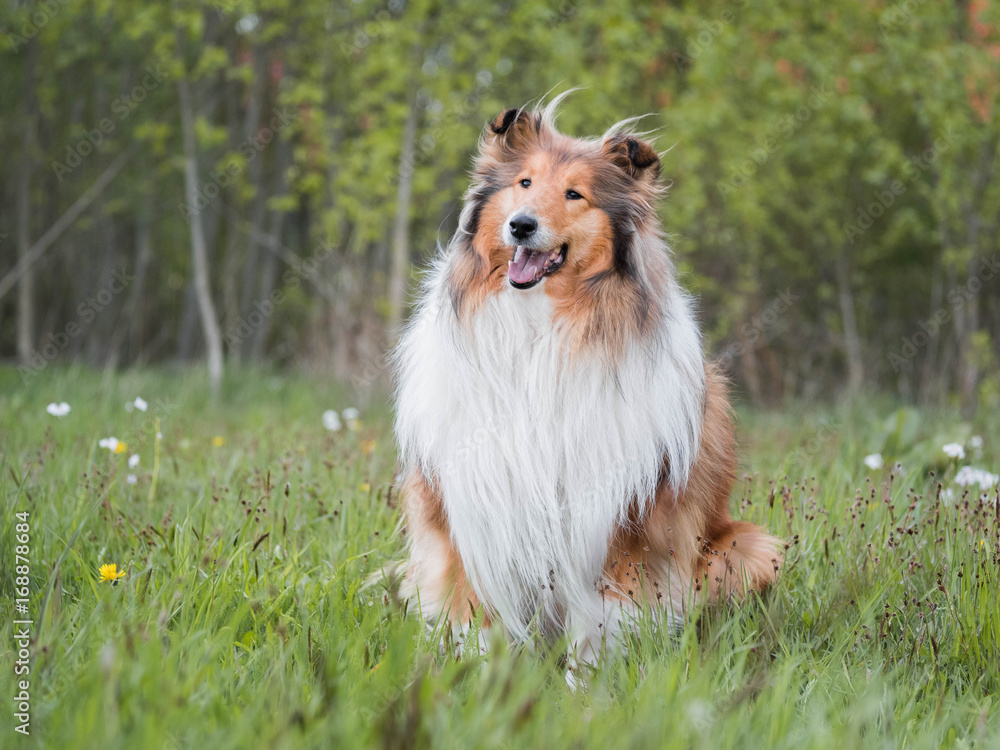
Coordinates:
column 566, row 452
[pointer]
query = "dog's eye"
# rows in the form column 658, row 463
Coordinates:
column 525, row 183
column 572, row 195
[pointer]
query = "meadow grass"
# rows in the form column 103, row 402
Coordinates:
column 250, row 532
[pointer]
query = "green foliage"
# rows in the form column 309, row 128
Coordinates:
column 844, row 152
column 248, row 615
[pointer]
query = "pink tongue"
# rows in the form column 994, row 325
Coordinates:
column 526, row 265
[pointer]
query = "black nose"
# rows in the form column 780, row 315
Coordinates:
column 523, row 227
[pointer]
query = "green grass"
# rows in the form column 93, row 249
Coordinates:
column 244, row 619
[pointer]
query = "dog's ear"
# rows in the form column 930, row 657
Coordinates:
column 512, row 127
column 636, row 157
column 503, row 121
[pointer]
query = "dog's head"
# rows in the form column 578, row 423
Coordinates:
column 549, row 207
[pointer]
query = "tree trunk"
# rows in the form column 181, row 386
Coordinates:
column 258, row 205
column 26, row 287
column 749, row 364
column 400, row 267
column 852, row 342
column 969, row 377
column 199, row 254
column 928, row 377
column 269, row 274
column 258, row 341
column 131, row 319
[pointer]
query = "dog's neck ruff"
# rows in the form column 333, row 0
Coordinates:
column 540, row 456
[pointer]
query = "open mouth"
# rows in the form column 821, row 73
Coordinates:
column 528, row 267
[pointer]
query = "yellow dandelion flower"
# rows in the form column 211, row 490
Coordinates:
column 365, row 487
column 367, row 447
column 121, row 448
column 354, row 425
column 218, row 441
column 110, row 572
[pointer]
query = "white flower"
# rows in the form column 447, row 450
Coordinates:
column 131, row 479
column 874, row 461
column 954, row 450
column 159, row 436
column 968, row 475
column 139, row 403
column 975, row 441
column 111, row 443
column 331, row 420
column 133, row 460
column 58, row 410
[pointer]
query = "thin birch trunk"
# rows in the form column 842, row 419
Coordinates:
column 199, row 254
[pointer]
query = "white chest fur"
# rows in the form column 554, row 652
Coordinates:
column 538, row 459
